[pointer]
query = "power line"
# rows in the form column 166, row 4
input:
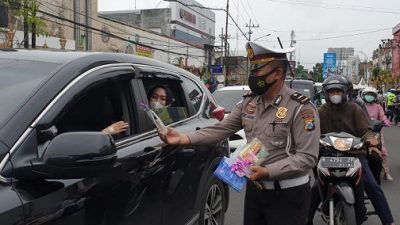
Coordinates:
column 346, row 35
column 112, row 35
column 339, row 6
column 112, row 26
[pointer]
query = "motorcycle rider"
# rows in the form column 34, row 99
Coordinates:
column 375, row 111
column 340, row 115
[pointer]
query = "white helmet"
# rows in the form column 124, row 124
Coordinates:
column 370, row 90
column 369, row 95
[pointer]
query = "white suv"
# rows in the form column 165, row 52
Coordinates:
column 227, row 97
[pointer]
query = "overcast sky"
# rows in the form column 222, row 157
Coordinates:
column 318, row 24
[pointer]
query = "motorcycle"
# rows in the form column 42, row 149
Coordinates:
column 339, row 179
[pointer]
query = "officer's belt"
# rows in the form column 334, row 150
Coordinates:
column 284, row 184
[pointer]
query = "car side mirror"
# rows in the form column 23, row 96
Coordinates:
column 72, row 155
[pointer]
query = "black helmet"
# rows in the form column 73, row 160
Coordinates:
column 336, row 82
column 349, row 88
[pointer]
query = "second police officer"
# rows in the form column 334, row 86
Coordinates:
column 288, row 126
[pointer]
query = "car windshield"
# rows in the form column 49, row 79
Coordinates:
column 18, row 79
column 229, row 98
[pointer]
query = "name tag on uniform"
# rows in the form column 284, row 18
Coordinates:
column 248, row 116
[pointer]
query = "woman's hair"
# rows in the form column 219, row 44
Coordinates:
column 168, row 92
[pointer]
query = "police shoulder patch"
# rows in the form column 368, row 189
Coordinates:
column 302, row 99
column 249, row 94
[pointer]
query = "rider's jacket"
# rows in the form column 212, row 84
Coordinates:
column 347, row 117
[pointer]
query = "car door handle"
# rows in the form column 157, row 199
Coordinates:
column 148, row 149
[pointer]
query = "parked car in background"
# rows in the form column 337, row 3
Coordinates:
column 305, row 87
column 56, row 167
column 228, row 97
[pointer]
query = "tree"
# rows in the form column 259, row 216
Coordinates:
column 26, row 9
column 376, row 71
column 317, row 72
column 300, row 73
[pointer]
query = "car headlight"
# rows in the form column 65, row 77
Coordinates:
column 342, row 144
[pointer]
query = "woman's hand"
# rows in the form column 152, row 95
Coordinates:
column 173, row 137
column 116, row 128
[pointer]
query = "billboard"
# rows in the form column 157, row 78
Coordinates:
column 329, row 67
column 144, row 51
column 200, row 20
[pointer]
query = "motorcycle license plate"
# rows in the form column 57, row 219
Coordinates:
column 337, row 162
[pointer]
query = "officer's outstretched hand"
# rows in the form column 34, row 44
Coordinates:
column 173, row 137
column 259, row 172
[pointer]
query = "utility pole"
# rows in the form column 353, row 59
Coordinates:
column 250, row 32
column 251, row 26
column 226, row 41
column 33, row 31
column 292, row 43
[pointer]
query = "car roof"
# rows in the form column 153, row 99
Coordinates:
column 68, row 57
column 300, row 81
column 234, row 88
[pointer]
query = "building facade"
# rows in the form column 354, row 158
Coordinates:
column 342, row 55
column 76, row 25
column 382, row 56
column 187, row 22
column 396, row 52
column 352, row 69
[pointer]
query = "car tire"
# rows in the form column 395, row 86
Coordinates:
column 214, row 203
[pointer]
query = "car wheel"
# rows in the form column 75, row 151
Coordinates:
column 213, row 208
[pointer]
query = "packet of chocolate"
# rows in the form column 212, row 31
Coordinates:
column 247, row 155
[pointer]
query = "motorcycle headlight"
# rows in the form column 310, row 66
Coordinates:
column 342, row 144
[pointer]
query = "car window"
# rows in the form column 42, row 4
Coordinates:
column 174, row 107
column 304, row 88
column 97, row 107
column 229, row 98
column 194, row 93
column 18, row 79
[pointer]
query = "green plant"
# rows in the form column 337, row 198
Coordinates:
column 26, row 9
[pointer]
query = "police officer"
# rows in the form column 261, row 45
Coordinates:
column 288, row 126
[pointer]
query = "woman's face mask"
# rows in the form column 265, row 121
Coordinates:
column 156, row 105
column 335, row 99
column 369, row 98
column 258, row 85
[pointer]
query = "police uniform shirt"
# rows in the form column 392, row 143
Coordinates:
column 285, row 121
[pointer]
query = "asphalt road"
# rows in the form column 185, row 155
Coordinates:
column 234, row 215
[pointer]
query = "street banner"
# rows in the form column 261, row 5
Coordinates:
column 329, row 67
column 144, row 51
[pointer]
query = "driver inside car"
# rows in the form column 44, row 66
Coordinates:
column 340, row 115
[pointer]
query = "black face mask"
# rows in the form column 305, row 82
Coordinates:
column 258, row 85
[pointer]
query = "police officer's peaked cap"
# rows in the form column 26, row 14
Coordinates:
column 259, row 55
